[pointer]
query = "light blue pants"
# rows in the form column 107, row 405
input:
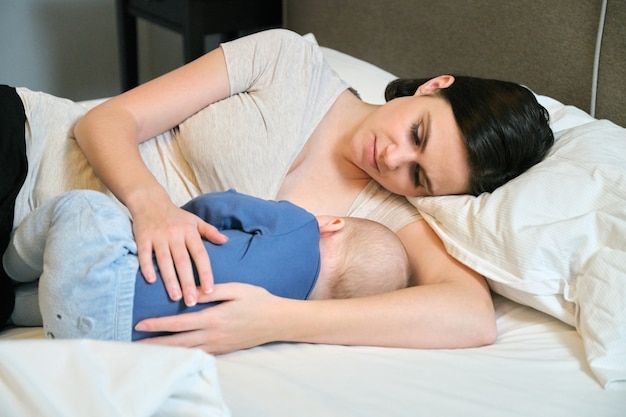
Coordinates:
column 81, row 243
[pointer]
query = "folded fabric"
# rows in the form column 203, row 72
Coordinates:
column 108, row 379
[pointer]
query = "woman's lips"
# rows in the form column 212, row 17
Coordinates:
column 374, row 161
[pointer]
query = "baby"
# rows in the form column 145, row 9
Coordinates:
column 80, row 246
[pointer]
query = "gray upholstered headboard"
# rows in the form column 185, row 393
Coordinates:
column 548, row 45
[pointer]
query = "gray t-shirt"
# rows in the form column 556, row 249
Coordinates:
column 281, row 89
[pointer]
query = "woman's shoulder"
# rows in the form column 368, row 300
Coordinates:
column 272, row 57
column 281, row 33
column 273, row 41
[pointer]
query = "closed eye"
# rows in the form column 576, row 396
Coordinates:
column 416, row 176
column 415, row 134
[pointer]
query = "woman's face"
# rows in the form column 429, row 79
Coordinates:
column 412, row 146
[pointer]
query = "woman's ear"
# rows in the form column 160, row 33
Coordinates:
column 330, row 225
column 434, row 84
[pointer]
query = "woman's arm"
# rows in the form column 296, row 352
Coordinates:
column 450, row 308
column 109, row 136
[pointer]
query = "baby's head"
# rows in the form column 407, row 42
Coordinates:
column 359, row 257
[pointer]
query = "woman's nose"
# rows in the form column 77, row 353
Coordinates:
column 396, row 156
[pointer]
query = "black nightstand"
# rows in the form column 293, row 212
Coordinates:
column 193, row 19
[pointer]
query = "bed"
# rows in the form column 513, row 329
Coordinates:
column 555, row 258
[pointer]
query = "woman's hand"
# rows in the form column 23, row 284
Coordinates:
column 175, row 237
column 242, row 320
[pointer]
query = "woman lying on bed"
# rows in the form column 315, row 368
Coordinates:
column 267, row 116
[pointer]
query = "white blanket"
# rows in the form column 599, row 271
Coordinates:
column 67, row 378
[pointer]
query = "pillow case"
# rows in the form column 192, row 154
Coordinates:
column 555, row 238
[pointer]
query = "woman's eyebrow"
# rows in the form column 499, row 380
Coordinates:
column 427, row 129
column 426, row 125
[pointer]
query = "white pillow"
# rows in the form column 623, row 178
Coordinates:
column 553, row 238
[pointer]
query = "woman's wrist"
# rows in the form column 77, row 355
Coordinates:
column 145, row 198
column 297, row 321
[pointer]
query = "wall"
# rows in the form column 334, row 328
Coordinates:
column 64, row 47
column 69, row 47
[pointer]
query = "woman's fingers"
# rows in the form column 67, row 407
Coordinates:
column 191, row 321
column 149, row 247
column 221, row 328
column 144, row 253
column 176, row 243
column 176, row 271
column 211, row 233
column 191, row 339
column 199, row 254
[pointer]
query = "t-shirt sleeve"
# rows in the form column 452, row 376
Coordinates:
column 272, row 58
column 287, row 73
column 281, row 89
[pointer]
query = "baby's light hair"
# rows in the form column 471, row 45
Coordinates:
column 372, row 260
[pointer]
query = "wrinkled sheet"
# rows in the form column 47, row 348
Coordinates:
column 67, row 378
column 537, row 367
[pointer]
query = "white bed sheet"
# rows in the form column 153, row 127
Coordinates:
column 536, row 368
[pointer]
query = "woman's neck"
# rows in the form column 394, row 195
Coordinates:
column 324, row 178
column 347, row 116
